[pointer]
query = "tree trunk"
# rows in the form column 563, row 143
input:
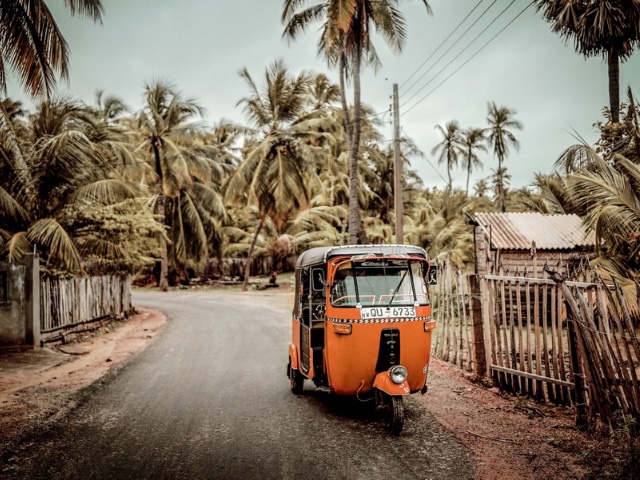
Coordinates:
column 163, row 281
column 356, row 231
column 614, row 85
column 184, row 274
column 503, row 196
column 247, row 268
column 348, row 127
column 503, row 199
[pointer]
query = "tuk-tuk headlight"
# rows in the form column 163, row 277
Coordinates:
column 398, row 374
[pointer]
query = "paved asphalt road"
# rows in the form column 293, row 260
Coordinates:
column 210, row 399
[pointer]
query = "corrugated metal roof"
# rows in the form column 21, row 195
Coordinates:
column 516, row 231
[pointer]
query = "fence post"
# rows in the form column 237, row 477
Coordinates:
column 32, row 298
column 479, row 356
column 582, row 419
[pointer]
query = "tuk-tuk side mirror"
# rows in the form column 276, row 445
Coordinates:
column 432, row 275
column 317, row 280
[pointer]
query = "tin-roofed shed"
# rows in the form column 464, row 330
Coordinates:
column 524, row 242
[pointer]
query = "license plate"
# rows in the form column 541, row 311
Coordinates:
column 391, row 312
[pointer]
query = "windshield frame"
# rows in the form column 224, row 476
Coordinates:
column 383, row 281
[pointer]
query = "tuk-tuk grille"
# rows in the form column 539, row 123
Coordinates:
column 389, row 351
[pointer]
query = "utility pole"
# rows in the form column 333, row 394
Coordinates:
column 397, row 170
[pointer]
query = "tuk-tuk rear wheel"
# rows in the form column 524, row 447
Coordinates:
column 296, row 380
column 394, row 414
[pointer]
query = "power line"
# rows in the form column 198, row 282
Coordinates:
column 468, row 60
column 427, row 159
column 439, row 46
column 460, row 52
column 448, row 50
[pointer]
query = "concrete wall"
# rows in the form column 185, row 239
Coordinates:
column 20, row 303
column 12, row 305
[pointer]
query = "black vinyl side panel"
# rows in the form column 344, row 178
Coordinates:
column 304, row 348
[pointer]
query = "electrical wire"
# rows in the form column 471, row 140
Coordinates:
column 441, row 44
column 427, row 159
column 448, row 50
column 460, row 52
column 468, row 60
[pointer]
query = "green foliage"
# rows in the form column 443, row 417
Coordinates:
column 119, row 238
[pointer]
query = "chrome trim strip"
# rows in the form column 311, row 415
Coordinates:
column 381, row 320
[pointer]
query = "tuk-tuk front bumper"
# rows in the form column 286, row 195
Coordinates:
column 385, row 383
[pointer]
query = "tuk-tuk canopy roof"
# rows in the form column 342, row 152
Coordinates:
column 318, row 255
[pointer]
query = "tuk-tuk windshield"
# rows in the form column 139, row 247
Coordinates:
column 383, row 282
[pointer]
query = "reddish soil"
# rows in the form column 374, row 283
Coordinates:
column 510, row 437
column 38, row 386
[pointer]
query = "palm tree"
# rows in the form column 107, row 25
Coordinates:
column 108, row 108
column 500, row 180
column 608, row 196
column 610, row 28
column 70, row 173
column 346, row 42
column 32, row 45
column 555, row 195
column 195, row 210
column 166, row 114
column 276, row 174
column 323, row 91
column 500, row 138
column 481, row 188
column 472, row 140
column 441, row 229
column 450, row 148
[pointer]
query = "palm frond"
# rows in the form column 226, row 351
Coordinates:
column 10, row 208
column 102, row 248
column 53, row 240
column 16, row 247
column 105, row 192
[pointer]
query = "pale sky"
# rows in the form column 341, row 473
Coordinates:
column 201, row 45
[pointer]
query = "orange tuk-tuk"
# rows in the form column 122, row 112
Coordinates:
column 362, row 324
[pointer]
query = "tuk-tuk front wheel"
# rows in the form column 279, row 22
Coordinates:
column 296, row 380
column 393, row 413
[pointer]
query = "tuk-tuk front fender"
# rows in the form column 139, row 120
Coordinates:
column 293, row 356
column 384, row 383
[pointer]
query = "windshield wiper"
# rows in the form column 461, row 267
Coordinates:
column 404, row 274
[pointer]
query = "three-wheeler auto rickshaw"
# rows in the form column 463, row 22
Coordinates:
column 362, row 324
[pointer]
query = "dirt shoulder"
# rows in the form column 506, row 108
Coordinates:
column 510, row 437
column 38, row 386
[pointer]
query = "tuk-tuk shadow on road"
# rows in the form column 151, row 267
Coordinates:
column 348, row 407
column 358, row 414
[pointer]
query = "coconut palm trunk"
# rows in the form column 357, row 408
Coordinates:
column 356, row 232
column 503, row 196
column 163, row 281
column 247, row 267
column 614, row 85
column 348, row 126
column 450, row 162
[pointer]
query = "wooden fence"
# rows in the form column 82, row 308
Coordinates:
column 453, row 336
column 605, row 353
column 554, row 340
column 68, row 303
column 528, row 349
